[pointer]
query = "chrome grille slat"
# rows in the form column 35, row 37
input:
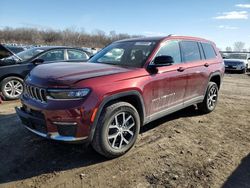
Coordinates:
column 36, row 90
column 38, row 94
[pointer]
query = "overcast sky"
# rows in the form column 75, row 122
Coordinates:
column 224, row 21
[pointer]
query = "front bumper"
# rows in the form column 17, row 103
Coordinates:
column 234, row 68
column 36, row 122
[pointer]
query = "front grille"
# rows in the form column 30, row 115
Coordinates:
column 233, row 63
column 36, row 93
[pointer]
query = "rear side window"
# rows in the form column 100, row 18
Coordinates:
column 190, row 51
column 208, row 50
column 77, row 55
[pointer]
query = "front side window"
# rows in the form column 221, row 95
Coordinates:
column 127, row 53
column 77, row 55
column 171, row 48
column 208, row 50
column 53, row 55
column 190, row 51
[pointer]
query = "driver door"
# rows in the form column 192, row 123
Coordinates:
column 166, row 88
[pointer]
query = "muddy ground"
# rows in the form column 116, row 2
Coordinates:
column 185, row 149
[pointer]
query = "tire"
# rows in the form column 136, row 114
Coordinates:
column 115, row 133
column 210, row 99
column 11, row 88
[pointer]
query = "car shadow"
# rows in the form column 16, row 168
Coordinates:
column 241, row 175
column 24, row 155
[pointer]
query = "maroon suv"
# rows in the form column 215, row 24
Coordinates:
column 123, row 87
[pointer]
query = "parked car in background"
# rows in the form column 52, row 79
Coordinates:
column 7, row 50
column 14, row 68
column 123, row 87
column 237, row 61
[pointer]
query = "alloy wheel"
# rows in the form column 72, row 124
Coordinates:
column 212, row 97
column 13, row 88
column 121, row 130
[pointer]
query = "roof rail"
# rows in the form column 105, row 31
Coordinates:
column 171, row 35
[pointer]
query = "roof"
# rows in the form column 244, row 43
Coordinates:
column 52, row 47
column 237, row 52
column 156, row 39
column 160, row 38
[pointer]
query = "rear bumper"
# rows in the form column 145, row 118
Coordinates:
column 65, row 132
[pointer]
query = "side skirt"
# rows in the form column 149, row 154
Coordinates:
column 173, row 109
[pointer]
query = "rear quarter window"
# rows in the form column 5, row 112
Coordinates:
column 208, row 50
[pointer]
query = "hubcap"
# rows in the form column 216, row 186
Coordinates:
column 121, row 130
column 212, row 98
column 13, row 89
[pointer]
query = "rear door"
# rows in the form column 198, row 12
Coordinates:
column 196, row 68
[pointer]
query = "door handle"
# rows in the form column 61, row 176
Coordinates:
column 206, row 65
column 180, row 69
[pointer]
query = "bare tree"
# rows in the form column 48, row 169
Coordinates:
column 239, row 46
column 70, row 36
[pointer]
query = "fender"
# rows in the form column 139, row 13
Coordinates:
column 217, row 73
column 111, row 98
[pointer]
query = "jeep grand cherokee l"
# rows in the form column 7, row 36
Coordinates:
column 123, row 87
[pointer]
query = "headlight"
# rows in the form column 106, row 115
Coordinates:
column 67, row 93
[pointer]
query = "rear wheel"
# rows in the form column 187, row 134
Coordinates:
column 210, row 99
column 12, row 88
column 117, row 130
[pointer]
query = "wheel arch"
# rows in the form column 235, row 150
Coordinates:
column 216, row 78
column 11, row 75
column 132, row 97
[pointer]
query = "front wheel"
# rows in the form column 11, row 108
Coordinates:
column 12, row 88
column 117, row 130
column 210, row 99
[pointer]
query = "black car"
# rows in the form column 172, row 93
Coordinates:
column 7, row 50
column 14, row 68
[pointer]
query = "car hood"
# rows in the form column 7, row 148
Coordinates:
column 235, row 60
column 66, row 74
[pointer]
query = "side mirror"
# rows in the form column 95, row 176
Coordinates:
column 37, row 61
column 160, row 61
column 164, row 60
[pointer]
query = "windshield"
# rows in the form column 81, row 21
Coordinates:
column 27, row 54
column 132, row 54
column 235, row 56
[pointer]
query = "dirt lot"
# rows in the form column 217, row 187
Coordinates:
column 185, row 149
